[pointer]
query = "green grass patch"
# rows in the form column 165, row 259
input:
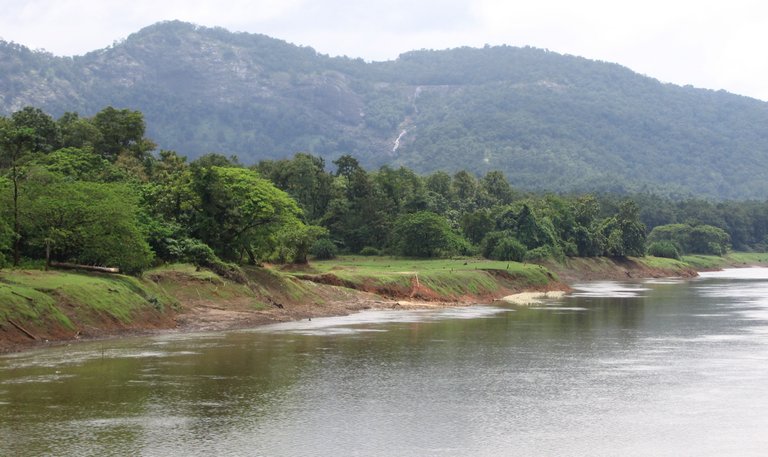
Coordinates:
column 186, row 282
column 662, row 263
column 713, row 262
column 398, row 264
column 26, row 304
column 705, row 262
column 747, row 258
column 446, row 277
column 115, row 295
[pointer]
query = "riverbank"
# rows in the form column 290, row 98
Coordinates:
column 51, row 307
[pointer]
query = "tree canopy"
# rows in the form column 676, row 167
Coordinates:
column 88, row 190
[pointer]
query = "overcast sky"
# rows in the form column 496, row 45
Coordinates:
column 710, row 44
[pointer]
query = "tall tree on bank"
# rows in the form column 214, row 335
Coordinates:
column 15, row 147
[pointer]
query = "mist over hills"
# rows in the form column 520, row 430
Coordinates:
column 548, row 121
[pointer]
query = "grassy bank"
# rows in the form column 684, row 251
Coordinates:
column 732, row 259
column 432, row 280
column 56, row 305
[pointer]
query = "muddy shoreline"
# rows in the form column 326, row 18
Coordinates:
column 196, row 315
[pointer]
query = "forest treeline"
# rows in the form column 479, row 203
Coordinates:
column 95, row 191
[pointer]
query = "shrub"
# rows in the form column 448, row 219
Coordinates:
column 665, row 249
column 488, row 245
column 540, row 253
column 324, row 249
column 370, row 251
column 202, row 256
column 509, row 249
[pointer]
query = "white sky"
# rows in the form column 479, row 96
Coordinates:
column 710, row 44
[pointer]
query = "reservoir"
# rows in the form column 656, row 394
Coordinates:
column 667, row 367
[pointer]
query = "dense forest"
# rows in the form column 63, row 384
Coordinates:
column 94, row 190
column 548, row 122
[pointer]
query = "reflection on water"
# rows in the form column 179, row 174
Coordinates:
column 661, row 367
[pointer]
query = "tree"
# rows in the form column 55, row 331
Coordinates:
column 46, row 136
column 296, row 240
column 477, row 224
column 239, row 211
column 77, row 132
column 424, row 234
column 357, row 214
column 624, row 233
column 121, row 131
column 305, row 179
column 6, row 237
column 699, row 239
column 464, row 186
column 496, row 186
column 439, row 182
column 346, row 165
column 15, row 148
column 85, row 222
column 81, row 164
column 402, row 188
column 589, row 240
column 526, row 226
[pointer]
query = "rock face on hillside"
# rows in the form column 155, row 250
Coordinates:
column 548, row 121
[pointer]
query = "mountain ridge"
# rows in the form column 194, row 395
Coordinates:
column 550, row 122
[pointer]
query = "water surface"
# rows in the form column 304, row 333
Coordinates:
column 661, row 367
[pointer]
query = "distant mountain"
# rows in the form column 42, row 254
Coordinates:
column 548, row 121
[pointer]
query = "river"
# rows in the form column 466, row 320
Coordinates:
column 658, row 367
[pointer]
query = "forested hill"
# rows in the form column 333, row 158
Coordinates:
column 548, row 121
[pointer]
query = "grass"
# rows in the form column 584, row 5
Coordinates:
column 27, row 304
column 713, row 262
column 448, row 278
column 662, row 263
column 401, row 265
column 35, row 295
column 184, row 281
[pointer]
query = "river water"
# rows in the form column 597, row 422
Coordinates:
column 651, row 368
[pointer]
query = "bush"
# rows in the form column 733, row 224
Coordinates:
column 509, row 249
column 324, row 249
column 202, row 256
column 540, row 253
column 370, row 251
column 489, row 243
column 665, row 249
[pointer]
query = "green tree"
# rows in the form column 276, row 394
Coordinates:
column 699, row 239
column 305, row 179
column 496, row 186
column 239, row 211
column 121, row 131
column 296, row 240
column 357, row 214
column 6, row 235
column 46, row 136
column 526, row 226
column 85, row 222
column 424, row 234
column 77, row 132
column 464, row 186
column 81, row 164
column 624, row 233
column 15, row 149
column 477, row 224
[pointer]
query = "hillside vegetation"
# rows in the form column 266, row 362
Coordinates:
column 547, row 121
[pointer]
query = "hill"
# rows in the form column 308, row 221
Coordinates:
column 548, row 121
